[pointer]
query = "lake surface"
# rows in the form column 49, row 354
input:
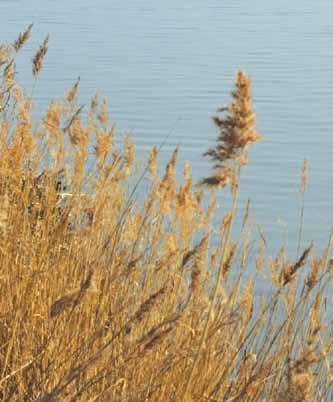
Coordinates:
column 165, row 67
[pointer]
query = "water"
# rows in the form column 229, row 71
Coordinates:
column 165, row 66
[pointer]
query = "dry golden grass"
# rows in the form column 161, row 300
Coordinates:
column 106, row 298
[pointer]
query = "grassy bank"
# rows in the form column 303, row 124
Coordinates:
column 107, row 298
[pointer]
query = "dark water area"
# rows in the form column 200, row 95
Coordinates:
column 166, row 66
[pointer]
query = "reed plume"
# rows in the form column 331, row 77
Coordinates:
column 22, row 38
column 37, row 61
column 237, row 130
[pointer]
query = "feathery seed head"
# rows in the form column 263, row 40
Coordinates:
column 237, row 129
column 37, row 61
column 22, row 38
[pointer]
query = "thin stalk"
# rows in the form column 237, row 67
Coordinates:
column 301, row 217
column 301, row 223
column 216, row 287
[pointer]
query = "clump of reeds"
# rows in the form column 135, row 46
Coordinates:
column 107, row 296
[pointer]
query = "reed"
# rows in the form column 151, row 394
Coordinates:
column 106, row 296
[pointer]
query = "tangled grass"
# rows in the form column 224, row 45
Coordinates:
column 106, row 298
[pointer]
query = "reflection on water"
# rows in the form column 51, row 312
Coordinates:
column 166, row 66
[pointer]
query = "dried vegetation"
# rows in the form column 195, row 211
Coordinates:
column 106, row 296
